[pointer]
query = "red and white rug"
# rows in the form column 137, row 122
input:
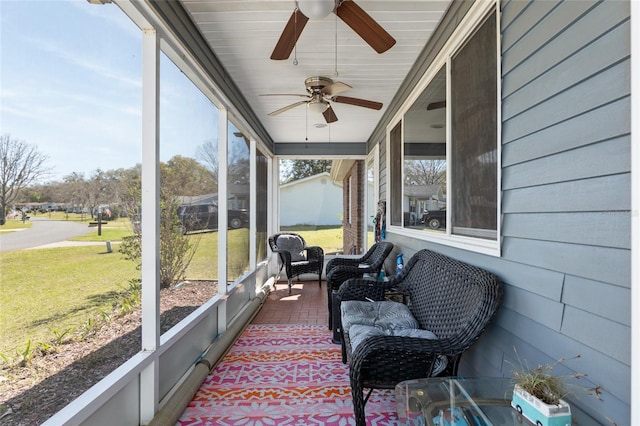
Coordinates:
column 283, row 375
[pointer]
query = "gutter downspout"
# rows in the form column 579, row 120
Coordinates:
column 171, row 411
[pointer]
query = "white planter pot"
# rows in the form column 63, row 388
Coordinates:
column 538, row 412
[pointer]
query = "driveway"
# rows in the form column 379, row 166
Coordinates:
column 43, row 231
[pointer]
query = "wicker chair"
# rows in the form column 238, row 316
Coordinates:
column 453, row 300
column 340, row 269
column 296, row 257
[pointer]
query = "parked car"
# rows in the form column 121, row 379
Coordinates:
column 197, row 217
column 434, row 219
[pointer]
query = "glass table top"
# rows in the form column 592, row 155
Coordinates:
column 458, row 401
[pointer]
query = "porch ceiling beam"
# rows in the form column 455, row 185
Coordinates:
column 304, row 149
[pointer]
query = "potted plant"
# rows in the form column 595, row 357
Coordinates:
column 539, row 394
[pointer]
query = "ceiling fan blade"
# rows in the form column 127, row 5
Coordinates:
column 357, row 102
column 436, row 105
column 363, row 24
column 329, row 115
column 287, row 108
column 335, row 88
column 289, row 36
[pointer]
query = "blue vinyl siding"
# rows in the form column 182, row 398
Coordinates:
column 566, row 196
column 566, row 188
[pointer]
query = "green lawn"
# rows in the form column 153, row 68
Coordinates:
column 56, row 289
column 12, row 225
column 327, row 237
column 63, row 288
column 205, row 262
column 73, row 217
column 110, row 231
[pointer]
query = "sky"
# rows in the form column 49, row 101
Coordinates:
column 70, row 83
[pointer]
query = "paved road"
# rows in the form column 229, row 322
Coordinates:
column 43, row 231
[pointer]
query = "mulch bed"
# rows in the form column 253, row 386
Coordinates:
column 32, row 394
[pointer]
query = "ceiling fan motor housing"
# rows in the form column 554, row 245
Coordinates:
column 315, row 84
column 321, row 91
column 316, row 9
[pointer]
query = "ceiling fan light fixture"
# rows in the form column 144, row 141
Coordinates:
column 318, row 106
column 316, row 9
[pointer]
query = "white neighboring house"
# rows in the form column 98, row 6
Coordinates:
column 314, row 200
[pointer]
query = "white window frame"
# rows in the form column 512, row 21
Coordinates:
column 475, row 17
column 372, row 158
column 350, row 199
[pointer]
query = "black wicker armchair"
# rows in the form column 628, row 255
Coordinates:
column 296, row 257
column 451, row 303
column 340, row 269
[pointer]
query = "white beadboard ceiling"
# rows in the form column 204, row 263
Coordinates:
column 243, row 34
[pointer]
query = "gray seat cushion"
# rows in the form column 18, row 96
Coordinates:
column 359, row 333
column 364, row 319
column 385, row 315
column 293, row 245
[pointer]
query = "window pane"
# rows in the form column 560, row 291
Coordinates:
column 370, row 211
column 261, row 205
column 188, row 192
column 474, row 135
column 70, row 89
column 425, row 162
column 395, row 174
column 238, row 179
column 311, row 203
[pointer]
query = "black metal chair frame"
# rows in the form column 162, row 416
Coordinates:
column 340, row 269
column 313, row 263
column 454, row 300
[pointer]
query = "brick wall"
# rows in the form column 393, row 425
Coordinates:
column 353, row 209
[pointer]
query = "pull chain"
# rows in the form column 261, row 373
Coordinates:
column 295, row 43
column 336, row 45
column 306, row 124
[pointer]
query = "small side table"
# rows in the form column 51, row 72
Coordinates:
column 463, row 401
column 444, row 401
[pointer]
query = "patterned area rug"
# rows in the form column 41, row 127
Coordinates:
column 283, row 375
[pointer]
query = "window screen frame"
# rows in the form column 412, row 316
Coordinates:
column 483, row 242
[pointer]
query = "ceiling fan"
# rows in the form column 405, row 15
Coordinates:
column 347, row 10
column 320, row 91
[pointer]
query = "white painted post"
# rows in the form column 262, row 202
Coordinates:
column 150, row 221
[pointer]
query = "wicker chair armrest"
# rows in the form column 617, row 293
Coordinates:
column 409, row 346
column 362, row 268
column 412, row 358
column 340, row 274
column 314, row 252
column 360, row 289
column 341, row 262
column 284, row 255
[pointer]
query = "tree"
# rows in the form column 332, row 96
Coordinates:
column 425, row 172
column 298, row 169
column 179, row 176
column 130, row 191
column 21, row 165
column 207, row 154
column 41, row 192
column 185, row 176
column 72, row 190
column 96, row 191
